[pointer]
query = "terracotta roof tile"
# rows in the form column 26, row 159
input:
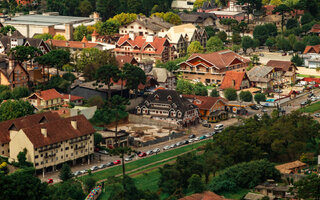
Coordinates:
column 278, row 64
column 71, row 44
column 232, row 79
column 125, row 59
column 316, row 48
column 47, row 94
column 315, row 28
column 207, row 195
column 204, row 102
column 72, row 97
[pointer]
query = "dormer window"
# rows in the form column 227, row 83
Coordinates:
column 174, row 105
column 156, row 97
column 169, row 98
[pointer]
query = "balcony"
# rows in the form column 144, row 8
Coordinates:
column 79, row 140
column 50, row 148
column 49, row 156
column 80, row 147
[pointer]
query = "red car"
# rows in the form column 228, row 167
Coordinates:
column 142, row 154
column 117, row 162
column 50, row 180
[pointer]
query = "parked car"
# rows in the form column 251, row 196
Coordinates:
column 192, row 136
column 166, row 147
column 142, row 154
column 218, row 127
column 207, row 135
column 104, row 152
column 77, row 173
column 196, row 139
column 117, row 162
column 303, row 103
column 207, row 125
column 156, row 150
column 264, row 110
column 149, row 152
column 203, row 137
column 212, row 133
column 314, row 98
column 129, row 158
column 173, row 146
column 109, row 164
column 310, row 95
column 50, row 180
column 277, row 90
column 191, row 140
column 94, row 168
column 83, row 171
column 254, row 107
column 186, row 142
column 317, row 115
column 101, row 166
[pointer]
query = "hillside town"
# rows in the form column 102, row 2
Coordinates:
column 159, row 99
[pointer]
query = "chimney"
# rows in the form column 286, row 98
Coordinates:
column 96, row 17
column 67, row 43
column 44, row 131
column 74, row 124
column 131, row 35
column 150, row 38
column 69, row 31
column 11, row 63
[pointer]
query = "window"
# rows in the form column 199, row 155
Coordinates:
column 61, row 157
column 67, row 148
column 36, row 156
column 139, row 27
column 66, row 155
column 41, row 155
column 71, row 154
column 37, row 164
column 131, row 27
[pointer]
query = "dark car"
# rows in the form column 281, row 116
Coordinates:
column 207, row 125
column 304, row 103
column 192, row 136
column 186, row 142
column 310, row 95
column 143, row 154
column 254, row 107
column 109, row 164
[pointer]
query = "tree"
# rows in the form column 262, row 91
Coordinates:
column 89, row 183
column 243, row 27
column 306, row 18
column 124, row 18
column 55, row 58
column 308, row 187
column 311, row 40
column 6, row 29
column 299, row 46
column 283, row 44
column 172, row 18
column 70, row 190
column 200, row 89
column 230, row 94
column 214, row 93
column 96, row 101
column 195, row 47
column 252, row 5
column 210, row 31
column 121, row 152
column 97, row 139
column 195, row 184
column 297, row 60
column 245, row 96
column 14, row 109
column 259, row 33
column 69, row 77
column 282, row 9
column 110, row 27
column 260, row 97
column 24, row 53
column 135, row 6
column 235, row 48
column 20, row 92
column 246, row 43
column 44, row 36
column 292, row 39
column 59, row 37
column 65, row 172
column 272, row 30
column 236, row 38
column 184, row 87
column 87, row 57
column 198, row 3
column 292, row 23
column 229, row 22
column 271, row 42
column 255, row 44
column 80, row 32
column 222, row 35
column 85, row 8
column 134, row 76
column 22, row 158
column 276, row 2
column 255, row 59
column 214, row 44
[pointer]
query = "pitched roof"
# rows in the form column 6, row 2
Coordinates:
column 207, row 195
column 209, row 5
column 196, row 17
column 316, row 48
column 282, row 65
column 66, row 131
column 47, row 94
column 232, row 79
column 288, row 167
column 71, row 97
column 259, row 73
column 219, row 59
column 184, row 30
column 24, row 122
column 123, row 59
column 161, row 74
column 154, row 23
column 71, row 44
column 315, row 28
column 17, row 34
column 204, row 102
column 84, row 39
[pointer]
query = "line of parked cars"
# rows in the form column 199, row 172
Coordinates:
column 94, row 168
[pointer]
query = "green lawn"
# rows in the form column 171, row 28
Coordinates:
column 148, row 181
column 312, row 108
column 305, row 75
column 141, row 162
column 240, row 193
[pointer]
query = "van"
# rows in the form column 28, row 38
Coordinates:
column 218, row 127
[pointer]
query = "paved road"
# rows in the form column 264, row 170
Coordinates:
column 197, row 130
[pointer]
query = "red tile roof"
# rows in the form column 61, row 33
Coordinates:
column 24, row 122
column 47, row 94
column 84, row 39
column 316, row 48
column 71, row 44
column 315, row 28
column 232, row 79
column 124, row 82
column 282, row 65
column 125, row 59
column 219, row 59
column 72, row 97
column 204, row 102
column 207, row 195
column 140, row 44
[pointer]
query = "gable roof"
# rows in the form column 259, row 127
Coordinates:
column 209, row 5
column 184, row 30
column 288, row 167
column 123, row 59
column 72, row 44
column 71, row 97
column 282, row 65
column 206, row 102
column 207, row 195
column 47, row 94
column 23, row 122
column 153, row 23
column 232, row 79
column 196, row 17
column 315, row 28
column 259, row 73
column 161, row 74
column 316, row 48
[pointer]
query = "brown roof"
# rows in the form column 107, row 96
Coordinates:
column 204, row 102
column 47, row 94
column 315, row 28
column 66, row 131
column 24, row 122
column 207, row 195
column 71, row 44
column 316, row 48
column 72, row 97
column 278, row 64
column 125, row 59
column 219, row 59
column 288, row 167
column 232, row 79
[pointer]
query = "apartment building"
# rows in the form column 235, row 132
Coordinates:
column 45, row 99
column 48, row 139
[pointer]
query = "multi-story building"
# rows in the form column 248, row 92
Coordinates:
column 236, row 80
column 200, row 19
column 164, row 78
column 311, row 56
column 262, row 77
column 286, row 71
column 211, row 67
column 48, row 139
column 45, row 99
column 148, row 47
column 169, row 106
column 144, row 26
column 182, row 5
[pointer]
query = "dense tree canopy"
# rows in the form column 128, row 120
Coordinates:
column 14, row 109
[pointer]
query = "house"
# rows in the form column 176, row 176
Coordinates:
column 181, row 36
column 148, row 47
column 45, row 99
column 253, row 196
column 121, row 60
column 315, row 29
column 311, row 56
column 210, row 68
column 211, row 109
column 49, row 140
column 221, row 14
column 182, row 5
column 109, row 138
column 274, row 191
column 26, row 2
column 208, row 6
column 76, row 100
column 286, row 71
column 200, row 19
column 207, row 195
column 73, row 46
column 291, row 167
column 262, row 77
column 144, row 26
column 164, row 78
column 236, row 80
column 169, row 106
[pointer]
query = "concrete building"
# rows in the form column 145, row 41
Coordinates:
column 311, row 56
column 45, row 99
column 182, row 5
column 200, row 19
column 52, row 23
column 48, row 139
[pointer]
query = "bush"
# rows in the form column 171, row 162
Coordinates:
column 297, row 60
column 89, row 183
column 245, row 96
column 214, row 93
column 260, row 97
column 69, row 77
column 230, row 94
column 96, row 101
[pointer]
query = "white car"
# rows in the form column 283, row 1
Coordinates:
column 313, row 98
column 149, row 152
column 156, row 150
column 94, row 168
column 77, row 173
column 219, row 127
column 191, row 140
column 166, row 147
column 196, row 139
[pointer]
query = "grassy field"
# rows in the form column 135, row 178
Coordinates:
column 312, row 108
column 237, row 195
column 305, row 75
column 142, row 162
